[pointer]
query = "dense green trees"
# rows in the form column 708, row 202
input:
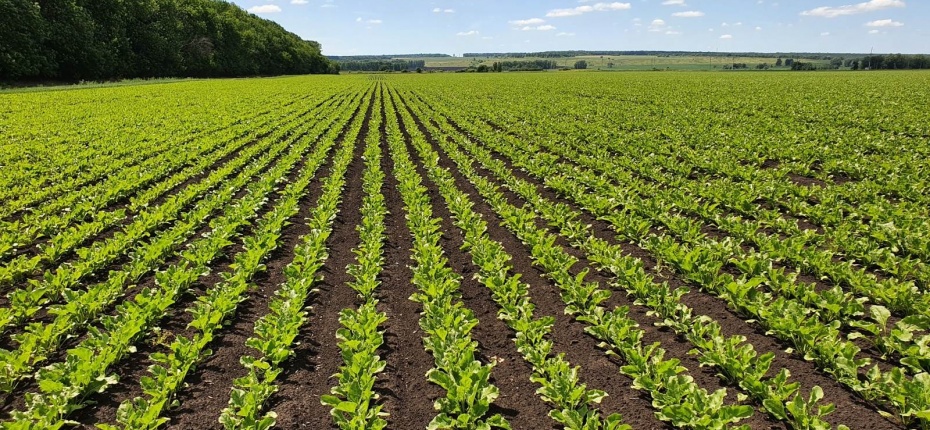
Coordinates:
column 897, row 61
column 21, row 29
column 528, row 65
column 381, row 65
column 74, row 40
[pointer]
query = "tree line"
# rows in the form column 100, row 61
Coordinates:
column 895, row 61
column 72, row 40
column 381, row 65
column 527, row 65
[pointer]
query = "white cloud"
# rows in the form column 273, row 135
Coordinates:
column 852, row 9
column 674, row 3
column 369, row 21
column 826, row 33
column 525, row 22
column 467, row 33
column 873, row 31
column 299, row 2
column 546, row 27
column 438, row 10
column 265, row 8
column 726, row 36
column 597, row 7
column 565, row 34
column 537, row 24
column 657, row 25
column 884, row 23
column 758, row 28
column 689, row 14
column 672, row 32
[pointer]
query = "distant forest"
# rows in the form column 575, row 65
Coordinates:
column 373, row 65
column 72, row 40
column 895, row 61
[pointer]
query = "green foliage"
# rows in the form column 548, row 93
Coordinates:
column 75, row 40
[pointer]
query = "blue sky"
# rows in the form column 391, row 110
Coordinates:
column 347, row 27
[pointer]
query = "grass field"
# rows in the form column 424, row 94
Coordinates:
column 520, row 250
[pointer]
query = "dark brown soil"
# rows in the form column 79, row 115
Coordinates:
column 771, row 164
column 805, row 181
column 842, row 178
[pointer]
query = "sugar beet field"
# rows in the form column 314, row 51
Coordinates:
column 526, row 251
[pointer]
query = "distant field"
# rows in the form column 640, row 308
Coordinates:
column 625, row 62
column 607, row 251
